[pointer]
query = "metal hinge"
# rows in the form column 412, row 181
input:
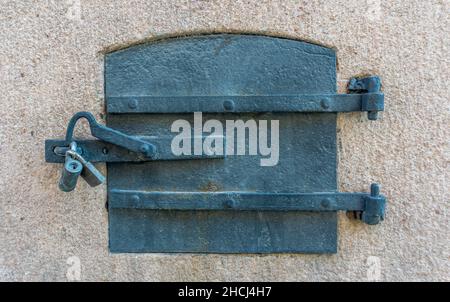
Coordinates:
column 372, row 99
column 364, row 95
column 370, row 205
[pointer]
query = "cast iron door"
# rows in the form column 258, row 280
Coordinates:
column 141, row 82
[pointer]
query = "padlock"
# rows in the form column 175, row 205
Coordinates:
column 89, row 173
column 69, row 175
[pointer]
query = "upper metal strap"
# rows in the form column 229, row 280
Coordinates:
column 240, row 104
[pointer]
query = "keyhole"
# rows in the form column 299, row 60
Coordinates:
column 73, row 166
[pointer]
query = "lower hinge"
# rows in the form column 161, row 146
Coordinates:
column 370, row 205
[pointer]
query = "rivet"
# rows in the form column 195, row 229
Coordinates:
column 135, row 198
column 132, row 104
column 143, row 148
column 228, row 105
column 325, row 103
column 148, row 149
column 230, row 203
column 326, row 203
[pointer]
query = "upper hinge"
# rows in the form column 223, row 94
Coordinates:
column 372, row 99
column 364, row 95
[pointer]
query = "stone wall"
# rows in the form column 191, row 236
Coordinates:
column 51, row 66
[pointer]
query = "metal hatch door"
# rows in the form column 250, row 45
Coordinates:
column 138, row 81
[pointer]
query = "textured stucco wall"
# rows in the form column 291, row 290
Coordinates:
column 51, row 66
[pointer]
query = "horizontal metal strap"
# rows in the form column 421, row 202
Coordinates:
column 100, row 151
column 246, row 201
column 260, row 103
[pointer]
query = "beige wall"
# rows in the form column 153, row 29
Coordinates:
column 51, row 66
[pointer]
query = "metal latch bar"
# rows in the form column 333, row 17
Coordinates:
column 100, row 151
